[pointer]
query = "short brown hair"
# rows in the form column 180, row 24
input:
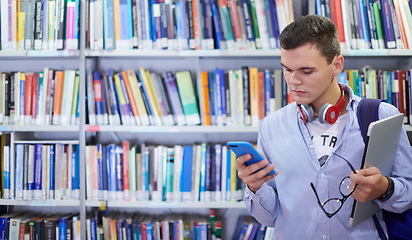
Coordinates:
column 314, row 29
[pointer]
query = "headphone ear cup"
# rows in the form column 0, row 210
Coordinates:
column 309, row 112
column 323, row 112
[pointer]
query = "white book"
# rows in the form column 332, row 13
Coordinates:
column 45, row 172
column 92, row 26
column 2, row 99
column 4, row 17
column 69, row 171
column 178, row 156
column 67, row 98
column 224, row 173
column 132, row 173
column 30, row 172
column 98, row 6
column 262, row 23
column 6, row 171
column 158, row 174
column 58, row 153
column 12, row 167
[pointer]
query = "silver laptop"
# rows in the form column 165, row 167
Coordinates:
column 381, row 150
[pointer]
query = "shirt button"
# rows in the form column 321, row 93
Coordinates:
column 311, row 146
column 324, row 236
column 322, row 175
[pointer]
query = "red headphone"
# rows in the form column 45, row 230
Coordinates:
column 328, row 113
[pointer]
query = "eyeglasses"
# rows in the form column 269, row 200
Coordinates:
column 333, row 205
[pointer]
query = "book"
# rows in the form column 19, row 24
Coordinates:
column 187, row 97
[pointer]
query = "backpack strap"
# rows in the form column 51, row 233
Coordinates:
column 367, row 112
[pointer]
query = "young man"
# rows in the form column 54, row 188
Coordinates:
column 314, row 143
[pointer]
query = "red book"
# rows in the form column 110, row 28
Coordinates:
column 35, row 96
column 28, row 95
column 125, row 159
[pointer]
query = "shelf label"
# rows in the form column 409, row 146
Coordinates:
column 92, row 128
column 43, row 203
column 3, row 128
column 163, row 205
column 368, row 52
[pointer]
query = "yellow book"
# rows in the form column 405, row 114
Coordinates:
column 124, row 109
column 254, row 96
column 50, row 26
column 204, row 99
column 21, row 99
column 233, row 176
column 137, row 94
column 150, row 96
column 116, row 5
column 21, row 20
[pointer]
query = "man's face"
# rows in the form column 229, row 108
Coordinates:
column 308, row 75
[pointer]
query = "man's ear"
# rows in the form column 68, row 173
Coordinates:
column 338, row 65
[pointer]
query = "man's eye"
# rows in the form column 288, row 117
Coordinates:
column 307, row 73
column 288, row 70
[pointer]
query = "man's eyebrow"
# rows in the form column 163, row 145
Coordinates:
column 302, row 68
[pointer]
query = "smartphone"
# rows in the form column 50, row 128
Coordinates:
column 242, row 148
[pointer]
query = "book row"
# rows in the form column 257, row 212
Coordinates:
column 392, row 86
column 40, row 98
column 180, row 173
column 29, row 225
column 40, row 171
column 240, row 97
column 187, row 24
column 109, row 225
column 233, row 98
column 380, row 24
column 201, row 172
column 39, row 25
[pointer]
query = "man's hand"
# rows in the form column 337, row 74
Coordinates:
column 371, row 184
column 254, row 180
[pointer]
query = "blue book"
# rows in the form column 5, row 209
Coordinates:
column 76, row 172
column 127, row 99
column 19, row 171
column 365, row 23
column 111, row 163
column 119, row 173
column 228, row 174
column 125, row 20
column 217, row 163
column 100, row 164
column 98, row 98
column 388, row 29
column 62, row 226
column 163, row 24
column 246, row 12
column 186, row 176
column 202, row 188
column 208, row 25
column 274, row 22
column 260, row 234
column 52, row 166
column 220, row 41
column 106, row 110
column 112, row 96
column 93, row 229
column 173, row 93
column 37, row 185
column 221, row 96
column 269, row 91
column 76, row 24
column 105, row 173
column 212, row 97
column 108, row 24
column 343, row 78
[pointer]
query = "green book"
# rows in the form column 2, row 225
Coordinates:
column 255, row 25
column 378, row 23
column 188, row 97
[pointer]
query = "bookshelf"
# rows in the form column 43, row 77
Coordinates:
column 157, row 61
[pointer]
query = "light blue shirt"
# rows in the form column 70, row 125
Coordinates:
column 288, row 202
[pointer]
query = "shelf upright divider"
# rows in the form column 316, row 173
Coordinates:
column 82, row 124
